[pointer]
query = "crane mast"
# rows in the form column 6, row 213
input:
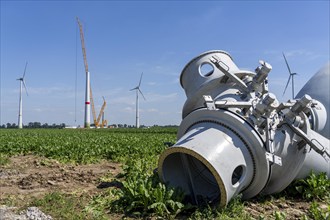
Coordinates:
column 89, row 94
column 83, row 45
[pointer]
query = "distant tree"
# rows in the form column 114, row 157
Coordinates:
column 36, row 124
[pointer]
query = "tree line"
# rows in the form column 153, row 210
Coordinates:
column 63, row 125
column 34, row 125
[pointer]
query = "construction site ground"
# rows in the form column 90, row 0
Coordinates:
column 26, row 178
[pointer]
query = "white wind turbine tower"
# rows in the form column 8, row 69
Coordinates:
column 137, row 122
column 22, row 83
column 290, row 77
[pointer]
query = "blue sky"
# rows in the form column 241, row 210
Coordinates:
column 158, row 38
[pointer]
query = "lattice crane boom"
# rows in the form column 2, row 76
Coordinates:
column 97, row 123
column 86, row 67
column 83, row 45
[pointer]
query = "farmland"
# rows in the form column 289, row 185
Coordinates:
column 110, row 174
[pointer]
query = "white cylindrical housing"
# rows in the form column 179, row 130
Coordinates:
column 215, row 158
column 207, row 168
column 201, row 70
column 87, row 102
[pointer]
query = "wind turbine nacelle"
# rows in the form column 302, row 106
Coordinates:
column 235, row 136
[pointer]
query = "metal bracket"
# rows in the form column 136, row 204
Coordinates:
column 225, row 69
column 225, row 103
column 317, row 146
column 274, row 159
column 209, row 102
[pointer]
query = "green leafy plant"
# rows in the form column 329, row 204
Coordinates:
column 144, row 194
column 3, row 159
column 234, row 210
column 99, row 204
column 279, row 215
column 317, row 213
column 314, row 187
column 83, row 146
column 63, row 206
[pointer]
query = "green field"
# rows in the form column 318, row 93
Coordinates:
column 141, row 194
column 86, row 146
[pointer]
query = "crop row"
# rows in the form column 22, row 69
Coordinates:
column 86, row 146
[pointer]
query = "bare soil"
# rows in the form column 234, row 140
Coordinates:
column 28, row 177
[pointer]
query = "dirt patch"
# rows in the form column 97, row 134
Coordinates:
column 32, row 176
column 27, row 177
column 293, row 209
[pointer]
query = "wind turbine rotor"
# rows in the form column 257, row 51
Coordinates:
column 137, row 88
column 141, row 94
column 290, row 77
column 134, row 88
column 25, row 87
column 287, row 65
column 140, row 80
column 20, row 111
column 24, row 70
column 287, row 84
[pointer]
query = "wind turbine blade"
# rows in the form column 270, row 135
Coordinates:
column 292, row 87
column 25, row 87
column 287, row 63
column 142, row 94
column 140, row 80
column 24, row 70
column 134, row 89
column 287, row 83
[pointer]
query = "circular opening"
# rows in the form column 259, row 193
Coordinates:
column 206, row 69
column 193, row 177
column 237, row 174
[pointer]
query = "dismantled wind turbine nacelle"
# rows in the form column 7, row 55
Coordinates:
column 235, row 136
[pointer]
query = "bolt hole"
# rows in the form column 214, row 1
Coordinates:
column 237, row 174
column 206, row 69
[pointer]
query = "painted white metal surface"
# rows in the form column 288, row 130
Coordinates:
column 20, row 111
column 87, row 102
column 235, row 136
column 318, row 88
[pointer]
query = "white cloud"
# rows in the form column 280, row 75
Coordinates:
column 154, row 97
column 152, row 110
column 38, row 110
column 129, row 109
column 152, row 83
column 48, row 90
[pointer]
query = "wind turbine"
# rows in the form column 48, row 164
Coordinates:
column 137, row 122
column 22, row 83
column 290, row 77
